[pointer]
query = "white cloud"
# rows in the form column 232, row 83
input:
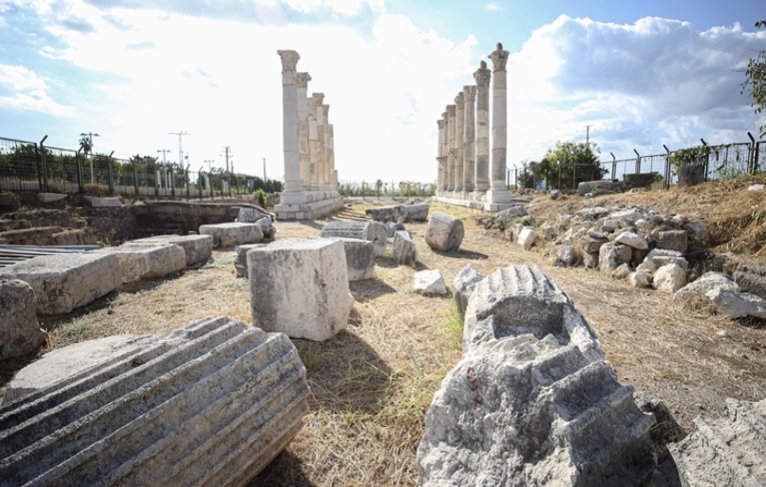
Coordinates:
column 492, row 7
column 347, row 8
column 28, row 91
column 637, row 85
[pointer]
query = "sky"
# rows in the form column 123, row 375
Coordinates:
column 639, row 74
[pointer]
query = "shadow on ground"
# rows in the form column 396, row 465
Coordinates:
column 285, row 470
column 369, row 289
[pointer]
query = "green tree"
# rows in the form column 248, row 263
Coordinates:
column 755, row 80
column 572, row 163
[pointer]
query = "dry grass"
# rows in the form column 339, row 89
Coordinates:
column 372, row 384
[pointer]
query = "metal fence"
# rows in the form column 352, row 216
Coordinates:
column 33, row 166
column 711, row 162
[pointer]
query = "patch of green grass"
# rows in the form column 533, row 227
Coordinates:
column 453, row 324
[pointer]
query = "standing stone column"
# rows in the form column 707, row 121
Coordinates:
column 441, row 157
column 331, row 144
column 498, row 193
column 320, row 154
column 459, row 122
column 313, row 145
column 482, row 77
column 326, row 145
column 303, row 129
column 450, row 147
column 290, row 122
column 469, row 135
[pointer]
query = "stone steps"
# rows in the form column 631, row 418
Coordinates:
column 725, row 451
column 210, row 404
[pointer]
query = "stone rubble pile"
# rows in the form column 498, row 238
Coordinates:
column 724, row 294
column 532, row 402
column 210, row 404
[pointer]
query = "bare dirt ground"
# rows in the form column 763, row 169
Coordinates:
column 372, row 384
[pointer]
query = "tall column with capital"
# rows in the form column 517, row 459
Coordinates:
column 290, row 122
column 459, row 122
column 469, row 137
column 450, row 148
column 440, row 158
column 331, row 155
column 327, row 173
column 303, row 129
column 318, row 99
column 498, row 193
column 482, row 77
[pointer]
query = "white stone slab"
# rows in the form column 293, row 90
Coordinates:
column 227, row 235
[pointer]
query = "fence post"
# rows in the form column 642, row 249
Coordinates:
column 210, row 180
column 187, row 181
column 614, row 165
column 80, row 175
column 666, row 181
column 43, row 172
column 751, row 155
column 172, row 182
column 574, row 177
column 755, row 158
column 707, row 155
column 638, row 162
column 135, row 178
column 110, row 173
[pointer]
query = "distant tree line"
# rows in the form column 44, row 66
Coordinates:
column 380, row 188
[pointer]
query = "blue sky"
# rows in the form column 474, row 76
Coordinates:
column 639, row 73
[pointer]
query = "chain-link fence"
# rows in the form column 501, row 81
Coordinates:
column 32, row 166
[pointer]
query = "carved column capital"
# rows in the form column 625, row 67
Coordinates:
column 499, row 57
column 302, row 79
column 482, row 75
column 289, row 59
column 469, row 93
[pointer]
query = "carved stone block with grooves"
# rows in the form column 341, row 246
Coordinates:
column 444, row 232
column 210, row 404
column 373, row 231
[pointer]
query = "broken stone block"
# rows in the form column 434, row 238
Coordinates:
column 300, row 287
column 429, row 282
column 267, row 227
column 633, row 240
column 672, row 240
column 593, row 213
column 46, row 198
column 210, row 404
column 669, row 278
column 405, row 252
column 621, row 272
column 548, row 230
column 640, row 278
column 249, row 214
column 413, row 213
column 105, row 202
column 383, row 213
column 465, row 283
column 142, row 260
column 698, row 289
column 532, row 402
column 444, row 232
column 198, row 248
column 226, row 235
column 63, row 282
column 725, row 451
column 611, row 255
column 600, row 187
column 240, row 258
column 373, row 231
column 392, row 227
column 566, row 255
column 590, row 260
column 660, row 257
column 737, row 305
column 508, row 214
column 360, row 258
column 20, row 334
column 591, row 245
column 751, row 278
column 526, row 237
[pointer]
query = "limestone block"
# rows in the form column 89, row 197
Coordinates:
column 590, row 260
column 413, row 213
column 226, row 235
column 566, row 255
column 610, row 225
column 611, row 255
column 756, row 187
column 20, row 334
column 621, row 272
column 444, row 232
column 753, row 282
column 593, row 213
column 373, row 231
column 727, row 450
column 518, row 300
column 660, row 257
column 672, row 240
column 249, row 214
column 383, row 213
column 392, row 228
column 143, row 260
column 698, row 289
column 737, row 305
column 50, row 197
column 240, row 258
column 465, row 283
column 63, row 282
column 526, row 237
column 548, row 230
column 405, row 252
column 360, row 258
column 429, row 282
column 599, row 187
column 669, row 278
column 198, row 248
column 301, row 288
column 105, row 202
column 627, row 217
column 210, row 404
column 640, row 278
column 591, row 245
column 267, row 227
column 532, row 402
column 508, row 214
column 633, row 240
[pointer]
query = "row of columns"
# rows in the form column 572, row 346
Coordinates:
column 309, row 153
column 463, row 152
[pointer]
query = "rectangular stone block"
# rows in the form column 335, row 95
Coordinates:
column 144, row 260
column 198, row 248
column 360, row 258
column 210, row 404
column 300, row 287
column 226, row 235
column 373, row 231
column 240, row 258
column 64, row 282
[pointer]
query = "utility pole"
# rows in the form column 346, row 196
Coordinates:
column 163, row 151
column 226, row 150
column 180, row 145
column 90, row 135
column 587, row 136
column 264, row 170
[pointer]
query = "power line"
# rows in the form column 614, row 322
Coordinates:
column 180, row 145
